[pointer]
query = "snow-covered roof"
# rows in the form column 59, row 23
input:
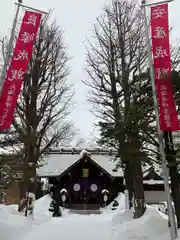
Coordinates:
column 108, row 163
column 57, row 163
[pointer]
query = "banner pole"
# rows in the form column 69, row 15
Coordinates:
column 156, row 3
column 173, row 230
column 31, row 8
column 10, row 45
column 12, row 36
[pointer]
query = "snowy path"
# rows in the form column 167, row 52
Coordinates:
column 110, row 225
column 101, row 227
column 79, row 227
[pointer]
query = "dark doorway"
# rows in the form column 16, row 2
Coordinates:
column 85, row 194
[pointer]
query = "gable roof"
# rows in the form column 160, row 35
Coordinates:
column 57, row 162
column 152, row 174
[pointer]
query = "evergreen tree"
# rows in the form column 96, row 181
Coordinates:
column 116, row 55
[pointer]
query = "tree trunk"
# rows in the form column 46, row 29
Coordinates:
column 29, row 179
column 24, row 182
column 129, row 182
column 139, row 200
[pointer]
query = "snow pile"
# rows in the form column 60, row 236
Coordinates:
column 12, row 223
column 84, row 153
column 41, row 208
column 121, row 201
column 150, row 226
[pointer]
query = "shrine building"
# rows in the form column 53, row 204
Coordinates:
column 85, row 174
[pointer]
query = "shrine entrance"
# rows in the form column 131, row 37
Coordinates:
column 85, row 194
column 84, row 182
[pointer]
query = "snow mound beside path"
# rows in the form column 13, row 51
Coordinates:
column 41, row 208
column 150, row 226
column 12, row 223
column 120, row 199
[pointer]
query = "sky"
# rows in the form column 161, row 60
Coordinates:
column 76, row 19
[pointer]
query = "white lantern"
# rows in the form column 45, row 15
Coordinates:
column 63, row 197
column 76, row 187
column 94, row 187
column 105, row 198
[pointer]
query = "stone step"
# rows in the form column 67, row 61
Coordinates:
column 85, row 212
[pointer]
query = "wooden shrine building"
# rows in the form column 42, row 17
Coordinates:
column 85, row 174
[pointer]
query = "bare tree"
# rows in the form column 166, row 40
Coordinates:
column 40, row 119
column 116, row 54
column 80, row 142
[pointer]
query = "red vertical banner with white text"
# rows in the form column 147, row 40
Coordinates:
column 162, row 67
column 18, row 67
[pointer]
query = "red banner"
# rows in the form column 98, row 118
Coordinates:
column 162, row 67
column 18, row 67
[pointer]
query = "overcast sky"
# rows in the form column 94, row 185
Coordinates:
column 77, row 19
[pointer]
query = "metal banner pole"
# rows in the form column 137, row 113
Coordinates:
column 155, row 3
column 173, row 230
column 10, row 45
column 12, row 36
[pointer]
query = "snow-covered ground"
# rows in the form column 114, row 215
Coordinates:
column 110, row 225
